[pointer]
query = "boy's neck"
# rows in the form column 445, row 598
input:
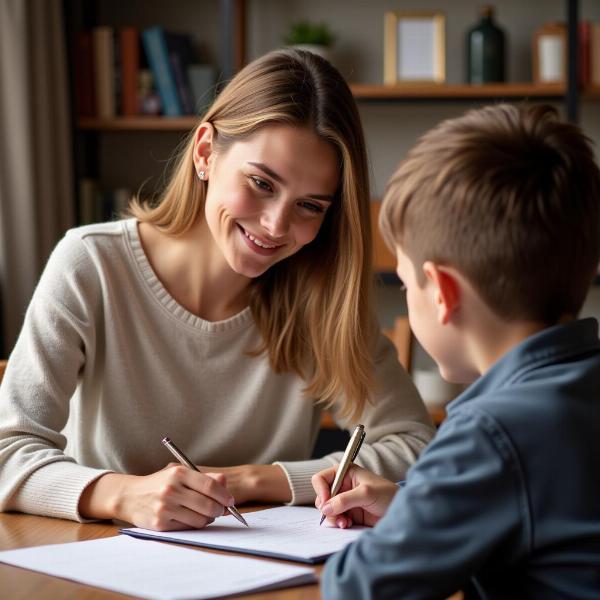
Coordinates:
column 493, row 337
column 490, row 345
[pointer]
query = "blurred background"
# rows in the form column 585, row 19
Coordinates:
column 96, row 96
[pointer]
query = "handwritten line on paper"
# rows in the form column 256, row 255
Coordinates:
column 156, row 571
column 288, row 532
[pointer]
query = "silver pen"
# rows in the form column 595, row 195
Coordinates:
column 350, row 453
column 184, row 460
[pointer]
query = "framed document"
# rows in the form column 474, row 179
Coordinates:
column 414, row 48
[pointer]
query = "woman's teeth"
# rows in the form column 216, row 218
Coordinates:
column 256, row 241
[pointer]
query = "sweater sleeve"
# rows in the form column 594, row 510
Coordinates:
column 36, row 476
column 397, row 427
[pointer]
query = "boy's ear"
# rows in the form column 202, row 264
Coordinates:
column 203, row 148
column 446, row 289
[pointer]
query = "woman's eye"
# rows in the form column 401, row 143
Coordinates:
column 312, row 206
column 261, row 183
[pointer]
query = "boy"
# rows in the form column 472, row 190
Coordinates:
column 495, row 220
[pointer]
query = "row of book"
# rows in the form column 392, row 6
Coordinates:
column 129, row 72
column 589, row 53
column 97, row 205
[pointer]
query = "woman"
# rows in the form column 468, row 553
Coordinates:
column 226, row 317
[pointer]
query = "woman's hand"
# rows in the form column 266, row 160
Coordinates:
column 362, row 500
column 174, row 498
column 255, row 483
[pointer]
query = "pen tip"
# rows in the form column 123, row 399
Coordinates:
column 321, row 521
column 166, row 440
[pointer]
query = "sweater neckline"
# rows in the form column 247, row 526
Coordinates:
column 158, row 291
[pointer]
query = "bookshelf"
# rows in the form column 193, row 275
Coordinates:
column 363, row 93
column 238, row 24
column 432, row 91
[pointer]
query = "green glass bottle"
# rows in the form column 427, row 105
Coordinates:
column 485, row 50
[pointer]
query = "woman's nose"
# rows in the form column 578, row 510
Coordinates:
column 276, row 219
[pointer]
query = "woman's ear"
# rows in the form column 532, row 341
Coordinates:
column 203, row 149
column 446, row 290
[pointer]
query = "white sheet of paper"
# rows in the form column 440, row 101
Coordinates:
column 286, row 531
column 157, row 571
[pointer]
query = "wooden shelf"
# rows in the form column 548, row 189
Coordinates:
column 435, row 91
column 361, row 91
column 365, row 92
column 138, row 124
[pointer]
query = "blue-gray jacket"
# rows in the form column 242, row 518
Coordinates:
column 505, row 502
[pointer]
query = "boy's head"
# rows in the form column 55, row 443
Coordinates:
column 509, row 197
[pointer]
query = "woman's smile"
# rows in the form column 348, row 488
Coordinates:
column 258, row 244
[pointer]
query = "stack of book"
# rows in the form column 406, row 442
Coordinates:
column 113, row 69
column 97, row 205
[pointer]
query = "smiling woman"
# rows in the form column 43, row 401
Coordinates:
column 226, row 316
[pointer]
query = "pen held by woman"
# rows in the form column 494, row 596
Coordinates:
column 356, row 440
column 184, row 460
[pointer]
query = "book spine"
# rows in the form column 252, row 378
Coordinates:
column 130, row 65
column 595, row 54
column 155, row 46
column 584, row 54
column 104, row 62
column 183, row 86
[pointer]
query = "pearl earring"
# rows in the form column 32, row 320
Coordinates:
column 201, row 174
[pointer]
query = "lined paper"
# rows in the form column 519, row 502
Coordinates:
column 289, row 532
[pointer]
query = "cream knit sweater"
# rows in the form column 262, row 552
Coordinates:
column 108, row 363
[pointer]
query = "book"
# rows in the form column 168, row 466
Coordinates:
column 285, row 532
column 157, row 53
column 202, row 83
column 98, row 205
column 583, row 54
column 180, row 56
column 595, row 54
column 84, row 74
column 130, row 66
column 104, row 71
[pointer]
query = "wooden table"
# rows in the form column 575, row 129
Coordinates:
column 19, row 531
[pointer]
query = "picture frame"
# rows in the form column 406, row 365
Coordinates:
column 414, row 47
column 549, row 53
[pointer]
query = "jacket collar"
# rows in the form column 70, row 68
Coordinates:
column 555, row 344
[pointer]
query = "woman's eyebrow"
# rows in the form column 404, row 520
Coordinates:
column 268, row 171
column 324, row 197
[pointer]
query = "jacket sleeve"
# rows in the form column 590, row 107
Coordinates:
column 463, row 501
column 397, row 427
column 36, row 476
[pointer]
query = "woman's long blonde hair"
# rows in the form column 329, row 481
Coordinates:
column 313, row 309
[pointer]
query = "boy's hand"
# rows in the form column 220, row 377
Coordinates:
column 362, row 500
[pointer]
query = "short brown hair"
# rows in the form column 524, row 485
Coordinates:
column 510, row 197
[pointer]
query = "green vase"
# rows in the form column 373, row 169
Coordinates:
column 485, row 50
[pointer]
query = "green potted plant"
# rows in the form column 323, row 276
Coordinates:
column 314, row 37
